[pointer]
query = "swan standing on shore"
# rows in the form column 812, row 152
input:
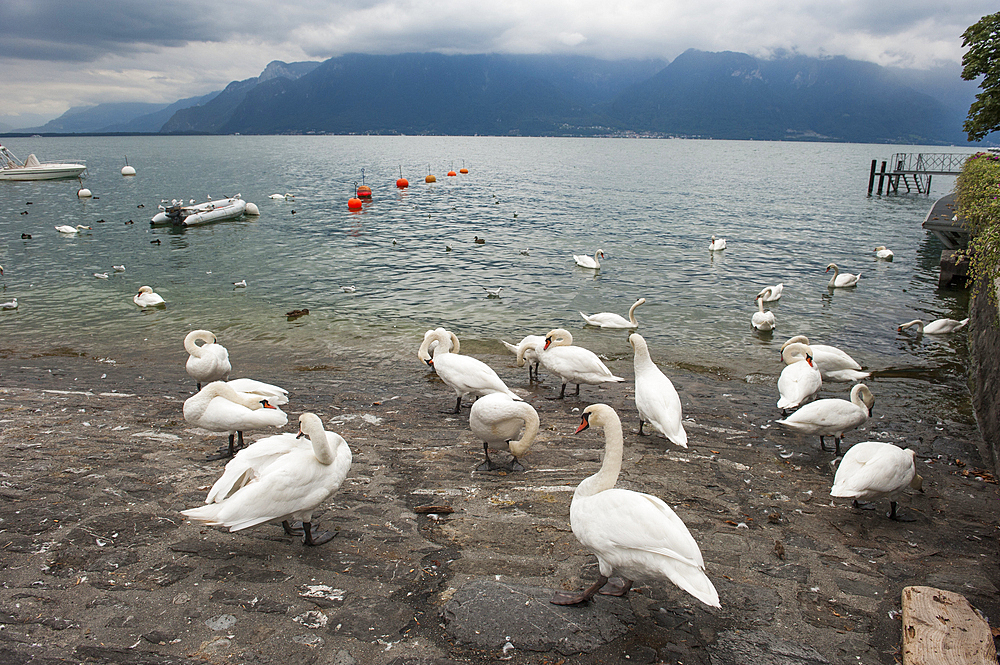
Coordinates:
column 585, row 261
column 612, row 320
column 530, row 345
column 761, row 320
column 463, row 374
column 573, row 364
column 771, row 293
column 938, row 327
column 496, row 419
column 146, row 297
column 208, row 361
column 218, row 407
column 799, row 381
column 872, row 470
column 633, row 534
column 832, row 417
column 279, row 478
column 72, row 230
column 833, row 364
column 839, row 281
column 882, row 253
column 655, row 397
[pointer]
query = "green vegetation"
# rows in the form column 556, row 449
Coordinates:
column 983, row 59
column 978, row 195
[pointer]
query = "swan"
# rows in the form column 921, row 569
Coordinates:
column 279, row 478
column 655, row 397
column 938, row 327
column 771, row 293
column 872, row 470
column 573, row 364
column 147, row 298
column 71, row 230
column 611, row 320
column 274, row 395
column 761, row 320
column 101, row 275
column 531, row 345
column 799, row 381
column 832, row 417
column 717, row 245
column 496, row 419
column 431, row 341
column 585, row 261
column 882, row 253
column 464, row 374
column 632, row 533
column 281, row 197
column 208, row 361
column 839, row 281
column 12, row 304
column 218, row 407
column 833, row 364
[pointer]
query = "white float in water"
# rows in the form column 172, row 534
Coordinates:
column 84, row 193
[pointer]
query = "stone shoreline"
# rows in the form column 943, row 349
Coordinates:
column 99, row 566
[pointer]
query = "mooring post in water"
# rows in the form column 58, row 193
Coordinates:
column 881, row 178
column 871, row 177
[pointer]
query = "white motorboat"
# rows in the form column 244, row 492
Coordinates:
column 178, row 214
column 11, row 168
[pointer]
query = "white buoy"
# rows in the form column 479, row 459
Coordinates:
column 128, row 170
column 252, row 210
column 84, row 193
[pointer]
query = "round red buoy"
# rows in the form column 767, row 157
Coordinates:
column 354, row 203
column 430, row 178
column 364, row 192
column 402, row 183
column 452, row 173
column 463, row 170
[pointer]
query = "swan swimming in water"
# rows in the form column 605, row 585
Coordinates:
column 496, row 419
column 882, row 253
column 839, row 281
column 873, row 470
column 147, row 298
column 633, row 534
column 938, row 327
column 612, row 320
column 72, row 230
column 832, row 417
column 799, row 381
column 585, row 261
column 771, row 293
column 655, row 397
column 218, row 407
column 279, row 478
column 761, row 320
column 573, row 364
column 530, row 345
column 463, row 374
column 717, row 245
column 833, row 364
column 12, row 304
column 208, row 361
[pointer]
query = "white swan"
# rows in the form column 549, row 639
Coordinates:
column 717, row 245
column 761, row 320
column 573, row 364
column 832, row 417
column 611, row 320
column 633, row 534
column 496, row 419
column 771, row 293
column 873, row 470
column 431, row 341
column 281, row 197
column 839, row 281
column 147, row 298
column 833, row 364
column 938, row 327
column 585, row 261
column 208, row 361
column 464, row 374
column 218, row 407
column 12, row 304
column 655, row 397
column 799, row 381
column 71, row 230
column 258, row 390
column 279, row 478
column 882, row 253
column 530, row 345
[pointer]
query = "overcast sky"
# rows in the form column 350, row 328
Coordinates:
column 55, row 54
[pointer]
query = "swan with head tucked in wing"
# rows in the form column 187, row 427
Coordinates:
column 612, row 320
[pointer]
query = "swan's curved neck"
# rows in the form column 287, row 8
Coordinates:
column 614, row 444
column 191, row 343
column 320, row 442
column 918, row 324
column 631, row 312
column 520, row 447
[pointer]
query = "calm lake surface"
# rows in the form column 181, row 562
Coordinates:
column 786, row 209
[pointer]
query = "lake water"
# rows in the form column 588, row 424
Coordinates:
column 786, row 209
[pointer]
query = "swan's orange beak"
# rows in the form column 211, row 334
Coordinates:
column 584, row 424
column 264, row 403
column 548, row 340
column 809, row 359
column 430, row 362
column 300, row 434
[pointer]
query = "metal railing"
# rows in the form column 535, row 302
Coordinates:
column 937, row 163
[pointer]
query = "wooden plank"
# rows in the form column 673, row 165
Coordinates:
column 942, row 628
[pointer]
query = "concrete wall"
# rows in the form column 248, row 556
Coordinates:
column 984, row 338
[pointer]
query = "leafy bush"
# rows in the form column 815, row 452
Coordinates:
column 978, row 195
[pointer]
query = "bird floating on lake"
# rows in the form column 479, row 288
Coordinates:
column 348, row 289
column 717, row 245
column 585, row 261
column 71, row 230
column 9, row 305
column 612, row 320
column 120, row 268
column 937, row 327
column 761, row 320
column 839, row 281
column 493, row 293
column 101, row 275
column 771, row 293
column 882, row 253
column 240, row 284
column 146, row 297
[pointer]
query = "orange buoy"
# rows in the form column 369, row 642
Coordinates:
column 430, row 178
column 452, row 173
column 463, row 170
column 364, row 192
column 402, row 183
column 354, row 203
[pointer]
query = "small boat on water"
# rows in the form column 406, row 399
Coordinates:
column 178, row 214
column 11, row 168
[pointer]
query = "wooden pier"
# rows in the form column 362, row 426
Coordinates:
column 919, row 168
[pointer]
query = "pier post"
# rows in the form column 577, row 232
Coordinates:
column 881, row 179
column 871, row 177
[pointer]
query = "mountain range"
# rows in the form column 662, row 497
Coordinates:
column 724, row 95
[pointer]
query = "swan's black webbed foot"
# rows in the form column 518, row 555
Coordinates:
column 568, row 598
column 319, row 538
column 616, row 586
column 562, row 393
column 224, row 452
column 641, row 423
column 893, row 515
column 515, row 465
column 292, row 530
column 863, row 505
